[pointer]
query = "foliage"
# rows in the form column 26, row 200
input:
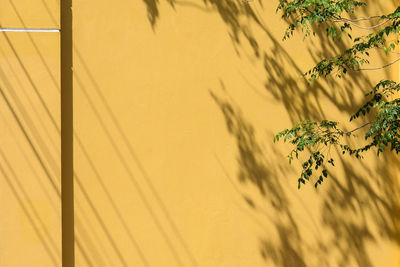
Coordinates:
column 382, row 102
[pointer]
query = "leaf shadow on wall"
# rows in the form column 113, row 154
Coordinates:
column 362, row 207
column 351, row 208
column 230, row 12
column 255, row 168
column 356, row 210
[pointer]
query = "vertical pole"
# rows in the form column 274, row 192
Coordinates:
column 67, row 171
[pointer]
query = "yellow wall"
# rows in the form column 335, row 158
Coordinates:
column 175, row 106
column 30, row 213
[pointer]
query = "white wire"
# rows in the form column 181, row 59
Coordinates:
column 28, row 30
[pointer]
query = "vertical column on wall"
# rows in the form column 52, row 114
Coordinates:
column 67, row 172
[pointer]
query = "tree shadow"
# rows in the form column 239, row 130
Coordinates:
column 362, row 209
column 254, row 167
column 359, row 205
column 354, row 211
column 357, row 210
column 235, row 14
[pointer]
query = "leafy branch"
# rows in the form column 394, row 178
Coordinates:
column 317, row 138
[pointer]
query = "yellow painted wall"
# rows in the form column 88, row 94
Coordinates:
column 30, row 213
column 175, row 106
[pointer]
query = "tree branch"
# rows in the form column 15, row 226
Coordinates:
column 358, row 128
column 358, row 26
column 359, row 19
column 379, row 68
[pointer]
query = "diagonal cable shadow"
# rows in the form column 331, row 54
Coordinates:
column 104, row 228
column 42, row 59
column 132, row 153
column 53, row 164
column 38, row 158
column 130, row 173
column 151, row 186
column 29, row 204
column 91, row 163
column 28, row 139
column 28, row 160
column 24, row 132
column 31, row 143
column 35, row 111
column 112, row 202
column 42, row 239
column 37, row 137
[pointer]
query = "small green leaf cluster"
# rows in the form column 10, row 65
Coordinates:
column 356, row 56
column 336, row 32
column 384, row 130
column 304, row 13
column 383, row 90
column 315, row 161
column 311, row 136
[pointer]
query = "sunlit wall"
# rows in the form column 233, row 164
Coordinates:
column 175, row 104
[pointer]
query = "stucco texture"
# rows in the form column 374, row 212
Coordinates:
column 175, row 104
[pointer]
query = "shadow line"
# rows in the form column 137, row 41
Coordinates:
column 25, row 209
column 133, row 154
column 129, row 172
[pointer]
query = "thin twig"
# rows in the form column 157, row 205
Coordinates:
column 379, row 68
column 358, row 128
column 359, row 19
column 361, row 27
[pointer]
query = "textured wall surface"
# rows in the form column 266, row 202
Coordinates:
column 30, row 214
column 175, row 105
